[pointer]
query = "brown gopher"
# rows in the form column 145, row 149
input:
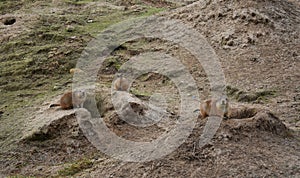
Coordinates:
column 70, row 100
column 121, row 84
column 215, row 107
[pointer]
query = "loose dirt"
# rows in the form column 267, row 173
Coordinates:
column 257, row 43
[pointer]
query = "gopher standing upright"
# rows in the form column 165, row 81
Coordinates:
column 71, row 99
column 215, row 107
column 121, row 84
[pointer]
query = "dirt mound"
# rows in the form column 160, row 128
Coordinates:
column 234, row 23
column 263, row 121
column 248, row 146
column 52, row 145
column 62, row 141
column 259, row 41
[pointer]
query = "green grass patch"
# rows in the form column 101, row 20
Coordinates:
column 102, row 22
column 79, row 2
column 112, row 62
column 76, row 167
column 242, row 96
column 7, row 6
column 152, row 11
column 19, row 176
column 140, row 94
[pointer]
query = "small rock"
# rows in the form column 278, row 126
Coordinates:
column 230, row 43
column 50, row 55
column 294, row 54
column 70, row 28
column 56, row 87
column 226, row 47
column 137, row 8
column 250, row 39
column 254, row 59
column 244, row 45
column 40, row 168
column 75, row 134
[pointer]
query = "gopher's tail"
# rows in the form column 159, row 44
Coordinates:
column 196, row 110
column 53, row 105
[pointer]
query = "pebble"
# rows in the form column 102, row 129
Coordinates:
column 70, row 28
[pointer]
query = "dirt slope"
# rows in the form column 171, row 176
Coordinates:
column 258, row 45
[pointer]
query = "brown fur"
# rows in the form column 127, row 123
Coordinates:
column 121, row 84
column 215, row 107
column 71, row 99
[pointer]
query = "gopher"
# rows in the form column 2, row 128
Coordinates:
column 215, row 107
column 121, row 84
column 74, row 70
column 70, row 100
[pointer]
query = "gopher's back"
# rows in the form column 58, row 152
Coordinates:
column 205, row 108
column 66, row 101
column 121, row 84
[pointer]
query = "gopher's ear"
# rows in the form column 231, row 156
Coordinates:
column 208, row 102
column 197, row 110
column 81, row 90
column 118, row 75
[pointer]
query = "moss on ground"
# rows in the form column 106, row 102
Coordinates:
column 19, row 176
column 7, row 6
column 257, row 96
column 76, row 167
